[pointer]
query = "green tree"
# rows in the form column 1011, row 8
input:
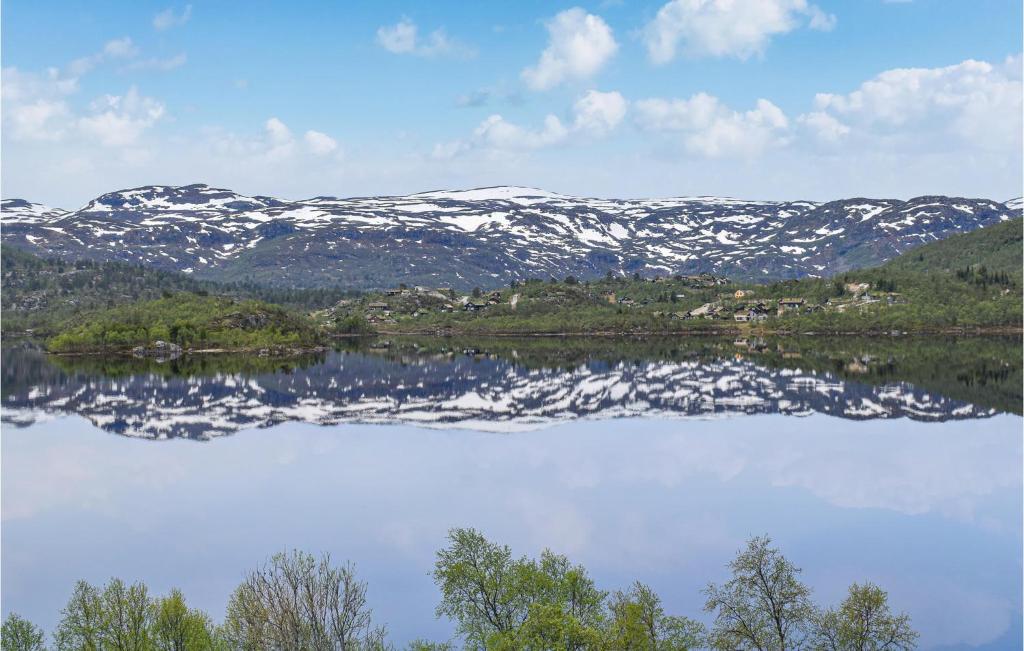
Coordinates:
column 19, row 634
column 500, row 602
column 176, row 627
column 127, row 611
column 638, row 623
column 763, row 606
column 82, row 621
column 863, row 622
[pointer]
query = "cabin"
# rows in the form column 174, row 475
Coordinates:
column 377, row 307
column 470, row 306
column 789, row 304
column 392, row 292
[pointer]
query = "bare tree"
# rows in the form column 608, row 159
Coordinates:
column 299, row 602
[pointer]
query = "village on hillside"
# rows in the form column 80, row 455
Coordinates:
column 704, row 297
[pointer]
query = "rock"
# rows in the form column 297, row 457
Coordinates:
column 158, row 350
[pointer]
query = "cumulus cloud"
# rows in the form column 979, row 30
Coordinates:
column 972, row 104
column 726, row 28
column 599, row 113
column 579, row 45
column 824, row 127
column 594, row 114
column 403, row 38
column 168, row 18
column 710, row 128
column 320, row 143
column 120, row 120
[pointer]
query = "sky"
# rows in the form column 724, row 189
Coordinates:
column 759, row 99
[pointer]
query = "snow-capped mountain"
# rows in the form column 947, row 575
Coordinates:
column 486, row 236
column 451, row 392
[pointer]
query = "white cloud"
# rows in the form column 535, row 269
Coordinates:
column 497, row 133
column 599, row 113
column 162, row 65
column 120, row 120
column 320, row 143
column 824, row 127
column 726, row 28
column 579, row 45
column 34, row 105
column 167, row 18
column 595, row 114
column 119, row 48
column 403, row 38
column 710, row 128
column 972, row 105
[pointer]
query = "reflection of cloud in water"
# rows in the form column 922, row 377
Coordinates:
column 663, row 501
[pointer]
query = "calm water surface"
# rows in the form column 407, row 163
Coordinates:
column 898, row 463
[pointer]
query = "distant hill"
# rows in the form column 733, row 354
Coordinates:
column 486, row 237
column 998, row 248
column 41, row 293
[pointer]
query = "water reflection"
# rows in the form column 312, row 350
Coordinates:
column 509, row 385
column 931, row 511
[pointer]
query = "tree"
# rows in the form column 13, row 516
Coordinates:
column 863, row 622
column 763, row 606
column 480, row 586
column 639, row 623
column 19, row 634
column 299, row 602
column 82, row 620
column 176, row 627
column 504, row 603
column 127, row 614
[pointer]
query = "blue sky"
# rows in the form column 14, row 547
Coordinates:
column 753, row 98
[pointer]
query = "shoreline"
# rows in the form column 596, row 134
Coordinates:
column 1000, row 331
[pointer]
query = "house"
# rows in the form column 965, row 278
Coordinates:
column 392, row 292
column 420, row 289
column 742, row 316
column 377, row 307
column 610, row 297
column 857, row 288
column 470, row 306
column 790, row 304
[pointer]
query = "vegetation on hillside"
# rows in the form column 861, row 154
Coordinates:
column 44, row 293
column 979, row 287
column 298, row 601
column 191, row 321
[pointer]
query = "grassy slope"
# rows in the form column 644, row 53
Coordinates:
column 998, row 247
column 193, row 321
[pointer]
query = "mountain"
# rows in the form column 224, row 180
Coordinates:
column 486, row 236
column 449, row 391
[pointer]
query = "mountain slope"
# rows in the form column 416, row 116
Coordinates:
column 486, row 236
column 998, row 248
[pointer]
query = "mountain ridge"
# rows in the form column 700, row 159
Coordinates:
column 483, row 236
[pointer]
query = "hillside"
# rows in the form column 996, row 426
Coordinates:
column 999, row 248
column 41, row 293
column 190, row 321
column 486, row 237
column 913, row 293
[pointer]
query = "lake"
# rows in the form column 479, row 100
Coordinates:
column 894, row 460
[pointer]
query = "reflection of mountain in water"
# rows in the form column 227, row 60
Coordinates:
column 459, row 391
